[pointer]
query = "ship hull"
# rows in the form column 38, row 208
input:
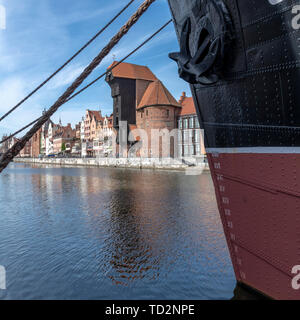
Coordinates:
column 258, row 197
column 250, row 113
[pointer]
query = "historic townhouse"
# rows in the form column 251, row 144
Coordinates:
column 52, row 129
column 64, row 139
column 93, row 120
column 44, row 134
column 107, row 133
column 191, row 142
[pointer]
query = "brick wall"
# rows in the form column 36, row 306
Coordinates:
column 160, row 118
column 36, row 143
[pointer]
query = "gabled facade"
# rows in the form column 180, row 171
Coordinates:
column 93, row 120
column 52, row 129
column 64, row 139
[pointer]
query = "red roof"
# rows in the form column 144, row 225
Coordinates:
column 188, row 106
column 96, row 114
column 157, row 94
column 132, row 71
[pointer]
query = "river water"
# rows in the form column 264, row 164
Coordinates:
column 90, row 233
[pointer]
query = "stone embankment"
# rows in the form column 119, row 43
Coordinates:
column 190, row 165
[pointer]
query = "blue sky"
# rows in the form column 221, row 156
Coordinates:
column 41, row 34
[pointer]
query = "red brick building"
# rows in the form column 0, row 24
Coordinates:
column 145, row 103
column 36, row 144
column 158, row 110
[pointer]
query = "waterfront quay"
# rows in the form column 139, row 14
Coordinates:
column 188, row 165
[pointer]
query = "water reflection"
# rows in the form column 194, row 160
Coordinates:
column 111, row 234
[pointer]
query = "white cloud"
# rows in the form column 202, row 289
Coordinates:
column 65, row 77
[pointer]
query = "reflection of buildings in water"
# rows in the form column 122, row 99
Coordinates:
column 132, row 254
column 46, row 186
column 142, row 237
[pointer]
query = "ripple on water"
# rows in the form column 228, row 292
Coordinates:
column 87, row 233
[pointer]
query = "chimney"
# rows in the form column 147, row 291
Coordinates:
column 183, row 96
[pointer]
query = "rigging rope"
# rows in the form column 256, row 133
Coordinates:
column 67, row 62
column 97, row 79
column 8, row 156
column 22, row 129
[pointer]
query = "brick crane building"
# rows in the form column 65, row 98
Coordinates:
column 143, row 101
column 128, row 84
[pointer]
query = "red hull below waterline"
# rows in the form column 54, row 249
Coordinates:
column 259, row 201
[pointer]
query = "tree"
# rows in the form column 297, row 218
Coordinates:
column 63, row 147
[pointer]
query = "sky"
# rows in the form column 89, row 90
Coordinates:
column 41, row 35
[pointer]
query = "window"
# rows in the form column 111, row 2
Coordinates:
column 185, row 123
column 191, row 123
column 180, row 124
column 197, row 126
column 168, row 113
column 147, row 113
